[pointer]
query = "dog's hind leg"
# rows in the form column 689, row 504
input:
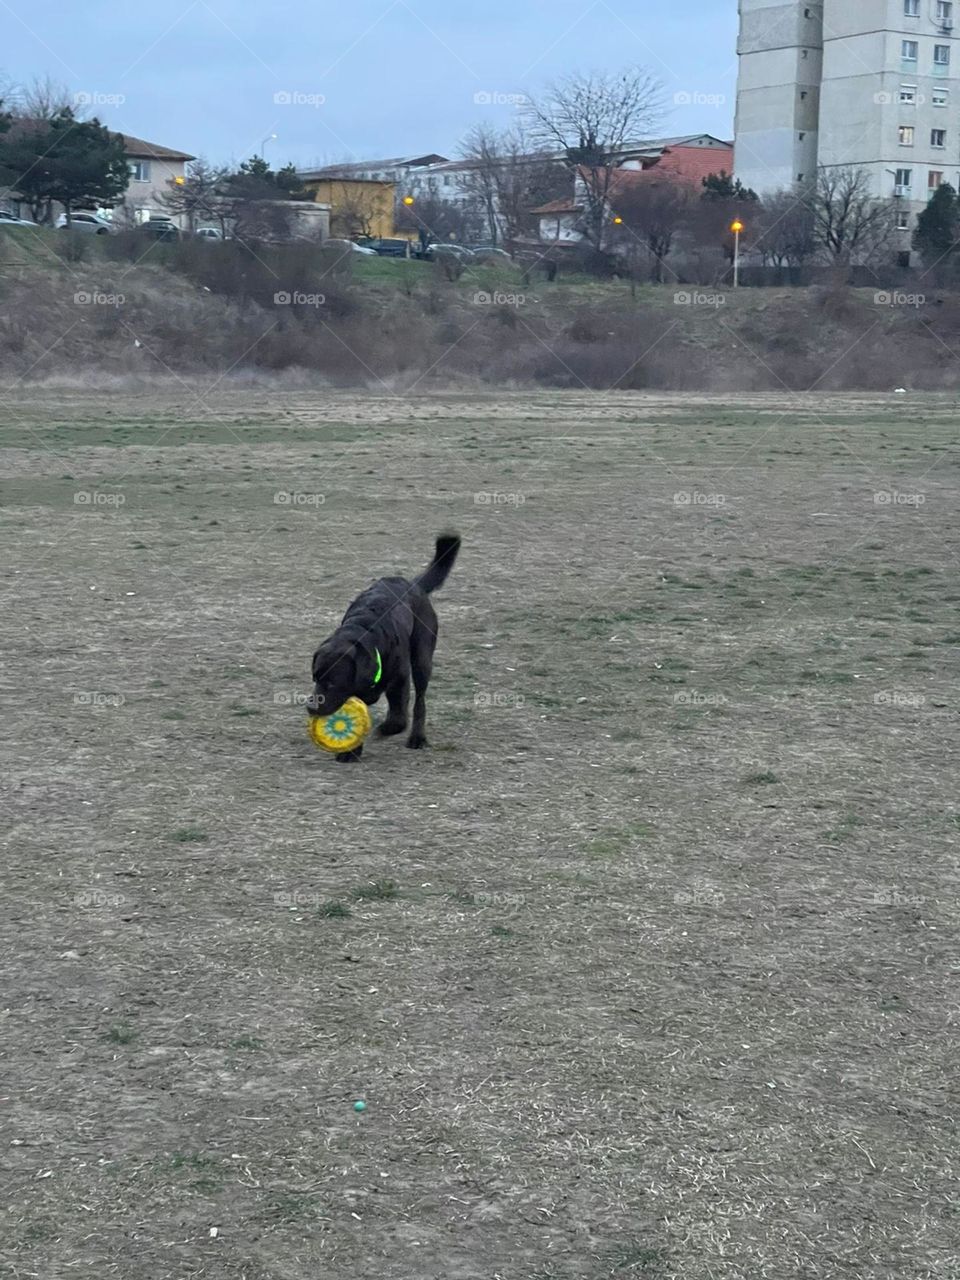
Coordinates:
column 398, row 700
column 422, row 644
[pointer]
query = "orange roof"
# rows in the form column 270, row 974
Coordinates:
column 674, row 164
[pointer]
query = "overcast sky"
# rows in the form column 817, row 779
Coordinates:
column 364, row 80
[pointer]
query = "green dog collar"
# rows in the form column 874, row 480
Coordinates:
column 379, row 673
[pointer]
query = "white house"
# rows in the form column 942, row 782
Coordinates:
column 153, row 169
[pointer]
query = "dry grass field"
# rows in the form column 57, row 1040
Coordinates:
column 647, row 970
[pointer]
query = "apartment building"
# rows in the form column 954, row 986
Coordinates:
column 869, row 83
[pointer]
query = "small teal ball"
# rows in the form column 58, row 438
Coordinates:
column 359, row 1106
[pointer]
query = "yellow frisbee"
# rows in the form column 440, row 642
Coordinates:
column 345, row 729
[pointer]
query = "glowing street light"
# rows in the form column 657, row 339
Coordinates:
column 736, row 227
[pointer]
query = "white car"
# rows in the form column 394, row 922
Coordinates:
column 347, row 246
column 209, row 233
column 91, row 223
column 8, row 219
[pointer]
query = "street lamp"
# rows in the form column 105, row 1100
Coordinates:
column 736, row 227
column 271, row 137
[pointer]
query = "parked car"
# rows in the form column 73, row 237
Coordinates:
column 8, row 219
column 209, row 233
column 91, row 223
column 390, row 247
column 160, row 229
column 492, row 254
column 451, row 250
column 347, row 246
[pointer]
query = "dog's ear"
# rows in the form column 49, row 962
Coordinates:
column 334, row 664
column 365, row 656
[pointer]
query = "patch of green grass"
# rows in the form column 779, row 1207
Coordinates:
column 615, row 840
column 498, row 931
column 377, row 891
column 246, row 1042
column 189, row 835
column 845, row 828
column 120, row 1034
column 238, row 710
column 765, row 778
column 640, row 1262
column 334, row 911
column 172, row 715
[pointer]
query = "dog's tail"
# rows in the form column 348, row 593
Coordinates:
column 436, row 572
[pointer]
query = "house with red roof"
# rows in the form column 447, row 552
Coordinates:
column 686, row 160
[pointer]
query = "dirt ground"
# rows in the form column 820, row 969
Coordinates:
column 647, row 970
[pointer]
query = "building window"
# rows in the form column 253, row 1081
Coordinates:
column 935, row 179
column 908, row 95
column 940, row 97
column 139, row 170
column 945, row 12
column 938, row 138
column 911, row 8
column 906, row 135
column 904, row 181
column 903, row 220
column 909, row 50
column 941, row 58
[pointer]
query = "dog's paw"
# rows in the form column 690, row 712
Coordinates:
column 417, row 741
column 348, row 757
column 390, row 727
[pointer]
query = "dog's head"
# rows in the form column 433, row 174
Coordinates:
column 341, row 669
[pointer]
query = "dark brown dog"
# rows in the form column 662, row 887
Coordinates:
column 387, row 635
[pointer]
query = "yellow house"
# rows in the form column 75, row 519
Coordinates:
column 358, row 206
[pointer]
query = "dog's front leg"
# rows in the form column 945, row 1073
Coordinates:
column 398, row 700
column 350, row 757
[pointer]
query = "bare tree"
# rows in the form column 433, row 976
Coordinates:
column 355, row 211
column 436, row 219
column 508, row 177
column 652, row 213
column 44, row 98
column 590, row 120
column 786, row 236
column 850, row 224
column 482, row 148
column 200, row 196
